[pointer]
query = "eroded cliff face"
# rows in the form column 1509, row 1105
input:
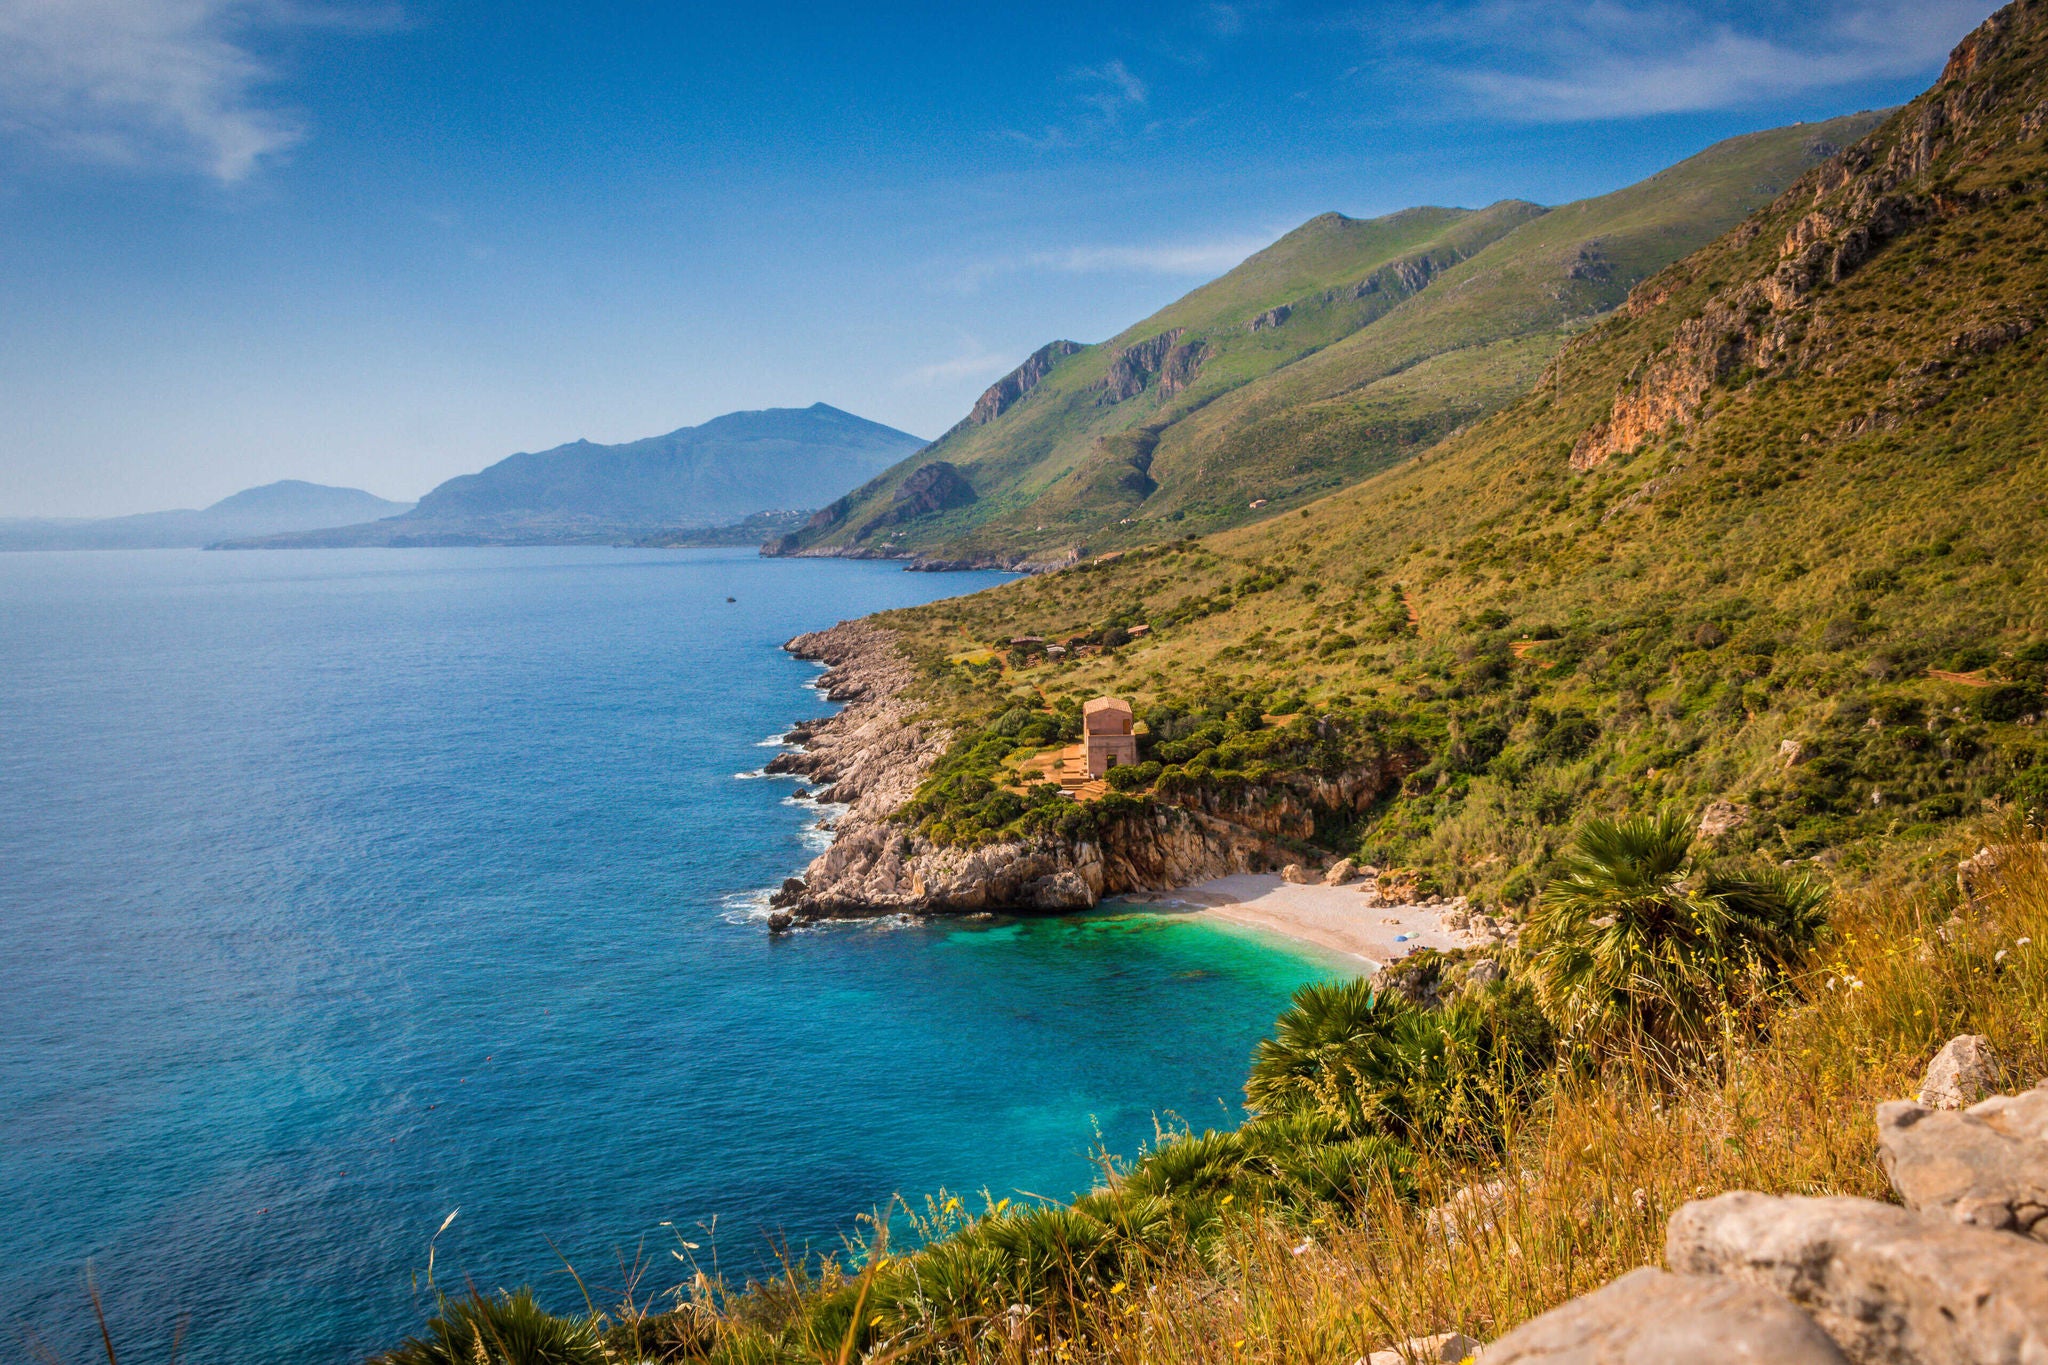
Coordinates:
column 1873, row 192
column 871, row 756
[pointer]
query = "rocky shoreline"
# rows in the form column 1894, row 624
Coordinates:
column 870, row 758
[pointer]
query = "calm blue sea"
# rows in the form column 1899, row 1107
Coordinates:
column 341, row 890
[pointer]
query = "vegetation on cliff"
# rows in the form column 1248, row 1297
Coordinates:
column 1758, row 552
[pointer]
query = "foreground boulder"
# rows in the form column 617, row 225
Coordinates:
column 1887, row 1284
column 1986, row 1167
column 1648, row 1317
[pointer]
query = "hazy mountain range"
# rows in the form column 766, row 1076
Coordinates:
column 274, row 508
column 722, row 472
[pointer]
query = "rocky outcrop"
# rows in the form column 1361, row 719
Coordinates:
column 1719, row 818
column 1272, row 318
column 1135, row 366
column 1006, row 392
column 870, row 758
column 881, row 868
column 1985, row 1167
column 931, row 488
column 1886, row 1283
column 1963, row 1072
column 1182, row 366
column 1958, row 1277
column 1648, row 1315
column 935, row 487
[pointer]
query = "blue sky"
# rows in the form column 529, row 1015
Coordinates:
column 383, row 242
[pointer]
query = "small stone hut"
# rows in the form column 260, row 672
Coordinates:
column 1106, row 731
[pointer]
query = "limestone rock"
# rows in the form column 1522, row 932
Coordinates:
column 1482, row 974
column 1887, row 1284
column 1450, row 1347
column 1720, row 817
column 1648, row 1317
column 1298, row 875
column 1975, row 871
column 1340, row 872
column 1472, row 1211
column 1963, row 1072
column 1986, row 1167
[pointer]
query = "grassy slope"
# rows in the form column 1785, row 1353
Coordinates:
column 1013, row 459
column 1349, row 384
column 1770, row 572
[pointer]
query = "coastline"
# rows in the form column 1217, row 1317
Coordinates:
column 866, row 761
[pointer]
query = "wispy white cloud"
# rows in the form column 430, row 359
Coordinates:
column 1187, row 260
column 1539, row 60
column 971, row 360
column 152, row 84
column 1110, row 89
column 1101, row 97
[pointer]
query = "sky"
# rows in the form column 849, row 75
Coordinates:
column 380, row 243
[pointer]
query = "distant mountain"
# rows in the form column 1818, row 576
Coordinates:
column 1347, row 346
column 717, row 474
column 286, row 506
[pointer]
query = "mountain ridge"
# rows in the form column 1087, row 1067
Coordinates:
column 1761, row 544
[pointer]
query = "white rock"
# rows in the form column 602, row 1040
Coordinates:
column 1650, row 1318
column 1963, row 1072
column 1887, row 1284
column 1444, row 1347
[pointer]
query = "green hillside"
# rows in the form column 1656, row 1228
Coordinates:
column 1767, row 536
column 1344, row 347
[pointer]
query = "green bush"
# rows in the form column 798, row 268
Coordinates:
column 1634, row 946
column 2006, row 702
column 511, row 1329
column 1131, row 777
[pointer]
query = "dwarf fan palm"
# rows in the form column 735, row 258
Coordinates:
column 1335, row 1051
column 1635, row 946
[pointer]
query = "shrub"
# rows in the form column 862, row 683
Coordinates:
column 2006, row 702
column 511, row 1329
column 1632, row 946
column 1131, row 777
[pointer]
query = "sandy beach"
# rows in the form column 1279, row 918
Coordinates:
column 1336, row 918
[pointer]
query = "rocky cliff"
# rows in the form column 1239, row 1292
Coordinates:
column 1957, row 1276
column 1875, row 191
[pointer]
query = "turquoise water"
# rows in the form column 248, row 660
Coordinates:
column 345, row 889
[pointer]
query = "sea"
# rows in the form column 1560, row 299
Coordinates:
column 367, row 915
